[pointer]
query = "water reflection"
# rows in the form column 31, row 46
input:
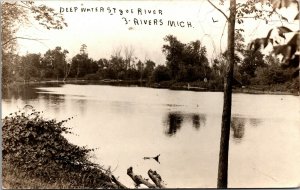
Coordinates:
column 30, row 95
column 52, row 99
column 174, row 121
column 198, row 120
column 24, row 91
column 81, row 103
column 238, row 127
column 254, row 122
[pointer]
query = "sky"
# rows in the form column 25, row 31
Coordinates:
column 104, row 31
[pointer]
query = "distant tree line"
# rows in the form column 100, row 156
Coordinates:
column 185, row 63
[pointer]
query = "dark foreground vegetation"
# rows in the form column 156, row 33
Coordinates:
column 37, row 155
column 186, row 65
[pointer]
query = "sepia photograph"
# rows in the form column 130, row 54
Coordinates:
column 150, row 94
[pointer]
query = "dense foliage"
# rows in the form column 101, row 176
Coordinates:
column 37, row 146
column 185, row 63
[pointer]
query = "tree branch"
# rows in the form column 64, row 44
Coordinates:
column 20, row 38
column 264, row 19
column 222, row 36
column 218, row 9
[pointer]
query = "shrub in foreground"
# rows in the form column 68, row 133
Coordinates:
column 36, row 146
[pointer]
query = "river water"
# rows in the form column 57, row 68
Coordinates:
column 127, row 124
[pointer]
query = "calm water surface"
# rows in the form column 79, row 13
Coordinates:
column 129, row 123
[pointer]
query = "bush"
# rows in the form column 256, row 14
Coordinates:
column 36, row 146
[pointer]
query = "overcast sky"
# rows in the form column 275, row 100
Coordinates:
column 103, row 32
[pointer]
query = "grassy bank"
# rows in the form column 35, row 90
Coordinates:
column 37, row 155
column 13, row 178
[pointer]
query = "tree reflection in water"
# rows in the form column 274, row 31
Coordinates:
column 238, row 127
column 174, row 121
column 254, row 122
column 25, row 91
column 198, row 120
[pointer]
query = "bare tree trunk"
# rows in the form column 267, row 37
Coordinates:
column 226, row 116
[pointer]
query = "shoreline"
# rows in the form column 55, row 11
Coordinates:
column 170, row 86
column 254, row 91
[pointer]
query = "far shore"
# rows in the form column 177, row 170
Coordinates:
column 162, row 85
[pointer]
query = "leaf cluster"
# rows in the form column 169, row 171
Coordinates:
column 249, row 8
column 287, row 50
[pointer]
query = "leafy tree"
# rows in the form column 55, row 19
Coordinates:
column 55, row 62
column 118, row 66
column 272, row 73
column 79, row 63
column 82, row 65
column 174, row 54
column 15, row 14
column 187, row 62
column 103, row 65
column 195, row 54
column 251, row 61
column 195, row 62
column 31, row 66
